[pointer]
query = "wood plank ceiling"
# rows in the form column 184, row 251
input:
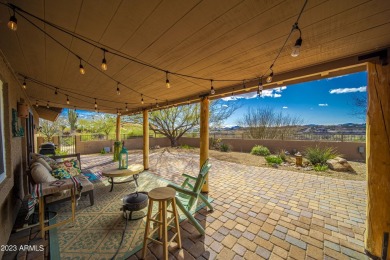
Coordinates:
column 214, row 39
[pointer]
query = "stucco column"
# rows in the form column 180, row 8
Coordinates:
column 378, row 158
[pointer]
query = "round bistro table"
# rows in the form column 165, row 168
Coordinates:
column 133, row 170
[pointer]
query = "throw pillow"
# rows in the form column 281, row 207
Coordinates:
column 35, row 156
column 72, row 166
column 44, row 163
column 60, row 174
column 40, row 173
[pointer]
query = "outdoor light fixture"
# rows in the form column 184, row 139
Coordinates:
column 118, row 92
column 269, row 78
column 96, row 103
column 67, row 100
column 82, row 70
column 167, row 84
column 298, row 43
column 13, row 22
column 212, row 90
column 126, row 108
column 24, row 84
column 142, row 99
column 48, row 105
column 36, row 103
column 260, row 87
column 56, row 92
column 104, row 62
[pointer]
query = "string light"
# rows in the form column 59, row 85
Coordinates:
column 142, row 99
column 298, row 43
column 104, row 62
column 67, row 100
column 260, row 87
column 24, row 83
column 232, row 93
column 36, row 103
column 126, row 108
column 244, row 86
column 56, row 92
column 48, row 105
column 188, row 102
column 157, row 105
column 13, row 22
column 167, row 84
column 269, row 78
column 96, row 104
column 118, row 112
column 82, row 70
column 212, row 90
column 118, row 91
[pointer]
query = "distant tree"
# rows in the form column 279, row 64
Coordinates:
column 104, row 123
column 359, row 104
column 266, row 123
column 48, row 129
column 72, row 120
column 174, row 122
column 62, row 124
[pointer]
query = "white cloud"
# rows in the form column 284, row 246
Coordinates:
column 245, row 96
column 284, row 107
column 323, row 105
column 347, row 90
column 225, row 106
column 273, row 93
column 279, row 90
column 336, row 77
column 277, row 95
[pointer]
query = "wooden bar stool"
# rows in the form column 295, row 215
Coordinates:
column 164, row 196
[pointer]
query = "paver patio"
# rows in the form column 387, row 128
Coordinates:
column 262, row 213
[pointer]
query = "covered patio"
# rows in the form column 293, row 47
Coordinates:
column 130, row 58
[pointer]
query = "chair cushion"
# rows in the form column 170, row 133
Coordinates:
column 35, row 156
column 40, row 173
column 72, row 166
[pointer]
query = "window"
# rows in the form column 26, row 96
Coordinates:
column 2, row 148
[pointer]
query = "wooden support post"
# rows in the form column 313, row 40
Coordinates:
column 118, row 128
column 378, row 158
column 204, row 137
column 146, row 139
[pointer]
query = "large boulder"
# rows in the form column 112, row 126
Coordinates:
column 339, row 164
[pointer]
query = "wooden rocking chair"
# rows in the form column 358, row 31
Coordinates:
column 189, row 192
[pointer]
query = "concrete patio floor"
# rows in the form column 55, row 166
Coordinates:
column 261, row 213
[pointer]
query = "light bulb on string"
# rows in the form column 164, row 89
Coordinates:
column 298, row 43
column 188, row 102
column 244, row 86
column 142, row 99
column 260, row 87
column 13, row 22
column 212, row 90
column 48, row 105
column 167, row 84
column 24, row 84
column 232, row 93
column 82, row 70
column 127, row 109
column 67, row 100
column 96, row 105
column 118, row 91
column 104, row 62
column 36, row 103
column 56, row 92
column 157, row 105
column 270, row 76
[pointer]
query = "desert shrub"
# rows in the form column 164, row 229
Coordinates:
column 59, row 152
column 215, row 143
column 102, row 151
column 225, row 147
column 260, row 150
column 320, row 167
column 318, row 155
column 186, row 146
column 282, row 155
column 272, row 159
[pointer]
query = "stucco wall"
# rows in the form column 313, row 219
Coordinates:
column 349, row 150
column 15, row 184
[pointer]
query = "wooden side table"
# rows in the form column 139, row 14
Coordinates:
column 132, row 170
column 163, row 196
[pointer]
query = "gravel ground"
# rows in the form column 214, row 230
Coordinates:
column 253, row 160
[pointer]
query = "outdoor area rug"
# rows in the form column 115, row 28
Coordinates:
column 97, row 231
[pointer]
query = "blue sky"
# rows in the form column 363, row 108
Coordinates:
column 327, row 101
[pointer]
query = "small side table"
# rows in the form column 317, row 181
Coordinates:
column 163, row 196
column 132, row 170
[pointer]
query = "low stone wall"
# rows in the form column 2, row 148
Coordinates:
column 349, row 150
